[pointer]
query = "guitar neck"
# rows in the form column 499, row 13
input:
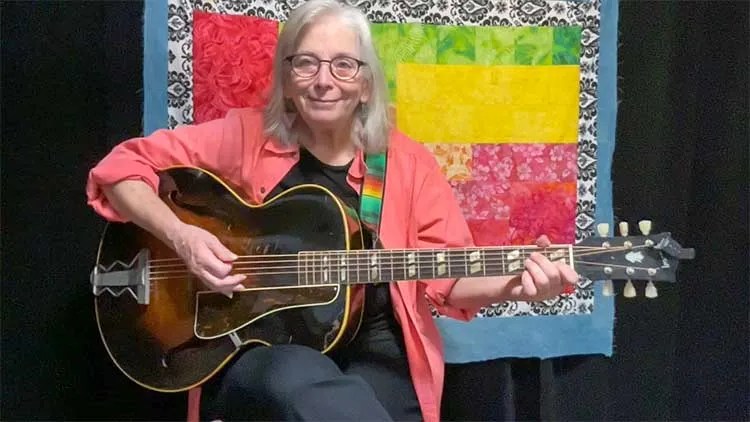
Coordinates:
column 379, row 266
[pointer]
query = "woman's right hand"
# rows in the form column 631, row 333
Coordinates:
column 207, row 258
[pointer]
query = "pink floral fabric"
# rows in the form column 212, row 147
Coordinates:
column 525, row 162
column 232, row 63
column 518, row 192
column 527, row 210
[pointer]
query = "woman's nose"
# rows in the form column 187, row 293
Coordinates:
column 324, row 77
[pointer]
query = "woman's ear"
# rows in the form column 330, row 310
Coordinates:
column 366, row 92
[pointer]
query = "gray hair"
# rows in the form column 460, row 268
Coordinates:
column 371, row 127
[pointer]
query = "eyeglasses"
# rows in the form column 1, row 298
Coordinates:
column 342, row 68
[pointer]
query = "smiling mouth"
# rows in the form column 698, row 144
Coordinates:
column 321, row 101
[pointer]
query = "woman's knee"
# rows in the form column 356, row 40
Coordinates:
column 271, row 373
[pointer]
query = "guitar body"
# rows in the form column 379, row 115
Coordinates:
column 186, row 333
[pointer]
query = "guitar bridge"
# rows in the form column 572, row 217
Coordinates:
column 132, row 278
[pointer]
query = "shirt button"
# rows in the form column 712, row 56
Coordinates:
column 262, row 190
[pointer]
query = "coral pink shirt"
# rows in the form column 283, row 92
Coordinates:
column 419, row 211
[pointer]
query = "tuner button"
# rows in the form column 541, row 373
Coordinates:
column 645, row 226
column 629, row 290
column 629, row 271
column 651, row 290
column 607, row 270
column 623, row 228
column 628, row 244
column 603, row 229
column 652, row 271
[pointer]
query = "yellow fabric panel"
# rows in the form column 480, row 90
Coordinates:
column 488, row 104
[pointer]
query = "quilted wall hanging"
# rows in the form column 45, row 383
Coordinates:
column 516, row 99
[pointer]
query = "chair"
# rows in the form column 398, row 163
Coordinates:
column 194, row 405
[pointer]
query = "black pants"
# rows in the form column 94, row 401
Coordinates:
column 369, row 381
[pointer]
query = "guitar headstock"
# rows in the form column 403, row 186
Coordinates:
column 650, row 257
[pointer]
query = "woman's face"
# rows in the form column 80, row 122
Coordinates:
column 324, row 101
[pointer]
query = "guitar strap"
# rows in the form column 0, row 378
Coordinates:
column 371, row 199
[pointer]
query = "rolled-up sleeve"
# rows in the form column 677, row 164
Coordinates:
column 211, row 145
column 441, row 224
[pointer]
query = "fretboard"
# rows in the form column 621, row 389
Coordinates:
column 378, row 266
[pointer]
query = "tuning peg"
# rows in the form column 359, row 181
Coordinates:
column 608, row 289
column 629, row 290
column 623, row 228
column 651, row 290
column 645, row 226
column 603, row 229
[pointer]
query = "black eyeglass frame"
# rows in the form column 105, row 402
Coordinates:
column 320, row 61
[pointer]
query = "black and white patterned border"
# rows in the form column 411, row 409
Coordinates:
column 583, row 13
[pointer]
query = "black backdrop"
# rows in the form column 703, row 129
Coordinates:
column 72, row 88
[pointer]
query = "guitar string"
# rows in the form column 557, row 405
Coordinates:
column 365, row 261
column 321, row 282
column 384, row 268
column 394, row 251
column 358, row 261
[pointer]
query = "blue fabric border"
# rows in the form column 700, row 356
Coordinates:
column 550, row 336
column 155, row 66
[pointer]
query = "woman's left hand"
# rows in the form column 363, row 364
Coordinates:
column 541, row 279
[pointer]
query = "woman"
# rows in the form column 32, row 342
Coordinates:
column 328, row 108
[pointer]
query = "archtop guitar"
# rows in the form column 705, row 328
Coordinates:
column 307, row 258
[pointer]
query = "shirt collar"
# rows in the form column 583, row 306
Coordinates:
column 275, row 146
column 357, row 169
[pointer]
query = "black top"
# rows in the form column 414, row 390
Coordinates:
column 379, row 321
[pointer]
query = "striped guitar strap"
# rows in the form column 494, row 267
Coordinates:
column 371, row 200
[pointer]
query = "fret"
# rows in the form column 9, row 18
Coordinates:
column 417, row 258
column 466, row 262
column 345, row 267
column 441, row 267
column 356, row 265
column 299, row 268
column 557, row 254
column 317, row 268
column 438, row 264
column 475, row 263
column 456, row 263
column 326, row 270
column 344, row 264
column 306, row 256
column 309, row 275
column 374, row 272
column 515, row 262
column 330, row 261
column 372, row 267
column 412, row 267
column 502, row 262
column 339, row 267
column 312, row 268
column 433, row 261
column 321, row 270
column 393, row 270
column 402, row 265
column 424, row 264
column 361, row 267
